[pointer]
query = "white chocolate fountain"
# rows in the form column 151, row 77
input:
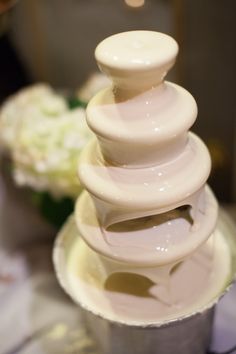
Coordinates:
column 148, row 218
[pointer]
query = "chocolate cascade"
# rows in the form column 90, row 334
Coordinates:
column 146, row 206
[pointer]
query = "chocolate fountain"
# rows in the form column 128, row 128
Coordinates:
column 146, row 259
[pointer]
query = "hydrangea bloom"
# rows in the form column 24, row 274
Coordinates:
column 92, row 85
column 45, row 139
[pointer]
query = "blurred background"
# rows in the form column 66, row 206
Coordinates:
column 53, row 41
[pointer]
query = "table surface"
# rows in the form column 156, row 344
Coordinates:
column 36, row 316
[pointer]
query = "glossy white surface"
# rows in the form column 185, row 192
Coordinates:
column 194, row 285
column 153, row 123
column 158, row 240
column 144, row 163
column 145, row 190
column 137, row 60
column 136, row 50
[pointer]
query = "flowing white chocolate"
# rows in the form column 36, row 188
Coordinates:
column 144, row 163
column 134, row 299
column 149, row 250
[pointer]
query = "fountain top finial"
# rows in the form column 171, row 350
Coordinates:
column 136, row 58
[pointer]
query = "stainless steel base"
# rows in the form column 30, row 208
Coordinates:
column 188, row 336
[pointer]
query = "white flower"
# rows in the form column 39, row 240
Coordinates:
column 95, row 83
column 45, row 139
column 34, row 101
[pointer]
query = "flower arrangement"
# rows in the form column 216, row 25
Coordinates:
column 43, row 133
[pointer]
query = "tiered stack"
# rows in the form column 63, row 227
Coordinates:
column 151, row 262
column 147, row 217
